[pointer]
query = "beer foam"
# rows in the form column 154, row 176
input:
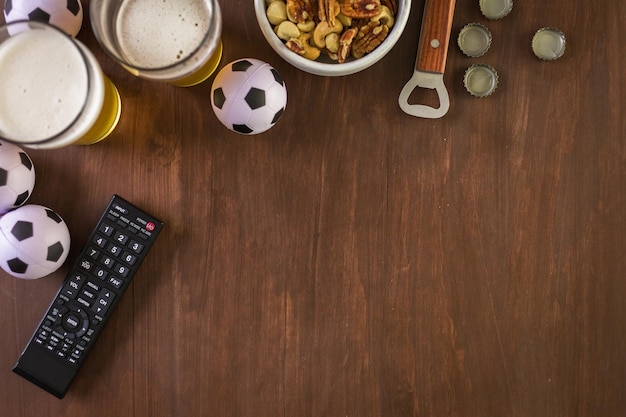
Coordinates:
column 44, row 85
column 159, row 33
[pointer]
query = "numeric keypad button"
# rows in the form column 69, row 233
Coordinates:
column 136, row 246
column 114, row 249
column 106, row 229
column 122, row 270
column 129, row 258
column 120, row 238
column 99, row 241
column 93, row 253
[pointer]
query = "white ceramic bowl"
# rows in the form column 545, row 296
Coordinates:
column 323, row 65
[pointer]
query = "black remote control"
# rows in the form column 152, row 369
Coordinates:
column 91, row 290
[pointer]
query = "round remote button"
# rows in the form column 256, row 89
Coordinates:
column 71, row 322
column 74, row 322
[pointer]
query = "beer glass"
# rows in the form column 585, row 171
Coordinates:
column 175, row 41
column 52, row 90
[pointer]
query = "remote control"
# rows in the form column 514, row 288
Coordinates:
column 91, row 290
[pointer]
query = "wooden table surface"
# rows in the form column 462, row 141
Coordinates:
column 354, row 260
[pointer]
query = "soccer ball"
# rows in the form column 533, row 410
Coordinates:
column 34, row 242
column 17, row 177
column 248, row 96
column 67, row 15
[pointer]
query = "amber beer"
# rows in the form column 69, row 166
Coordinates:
column 176, row 41
column 52, row 90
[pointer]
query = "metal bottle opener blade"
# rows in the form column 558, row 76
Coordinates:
column 430, row 64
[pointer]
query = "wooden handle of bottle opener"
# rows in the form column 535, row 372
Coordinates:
column 432, row 50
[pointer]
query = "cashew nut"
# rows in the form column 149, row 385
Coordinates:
column 307, row 26
column 276, row 12
column 346, row 21
column 310, row 52
column 322, row 29
column 287, row 30
column 332, row 42
column 385, row 17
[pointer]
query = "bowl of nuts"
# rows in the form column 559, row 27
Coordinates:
column 332, row 37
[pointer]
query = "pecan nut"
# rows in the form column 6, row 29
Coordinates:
column 360, row 9
column 345, row 44
column 295, row 46
column 369, row 37
column 299, row 11
column 328, row 10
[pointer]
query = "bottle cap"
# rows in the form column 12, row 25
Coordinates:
column 480, row 80
column 548, row 44
column 495, row 9
column 474, row 40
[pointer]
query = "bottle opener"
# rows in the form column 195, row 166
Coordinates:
column 431, row 58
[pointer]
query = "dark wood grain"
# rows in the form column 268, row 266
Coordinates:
column 354, row 260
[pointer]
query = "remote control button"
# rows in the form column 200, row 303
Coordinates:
column 100, row 273
column 129, row 258
column 106, row 229
column 107, row 261
column 86, row 264
column 93, row 253
column 120, row 238
column 116, row 282
column 136, row 246
column 123, row 270
column 71, row 322
column 103, row 302
column 114, row 249
column 88, row 293
column 99, row 241
column 83, row 302
column 72, row 287
column 55, row 339
column 120, row 208
column 74, row 324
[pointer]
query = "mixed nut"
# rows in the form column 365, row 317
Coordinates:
column 337, row 28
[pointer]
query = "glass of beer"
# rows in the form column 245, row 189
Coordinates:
column 175, row 41
column 52, row 90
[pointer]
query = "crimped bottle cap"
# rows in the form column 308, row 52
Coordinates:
column 474, row 40
column 480, row 80
column 548, row 44
column 495, row 9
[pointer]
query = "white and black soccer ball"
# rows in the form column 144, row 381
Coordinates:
column 34, row 242
column 17, row 177
column 248, row 96
column 67, row 15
